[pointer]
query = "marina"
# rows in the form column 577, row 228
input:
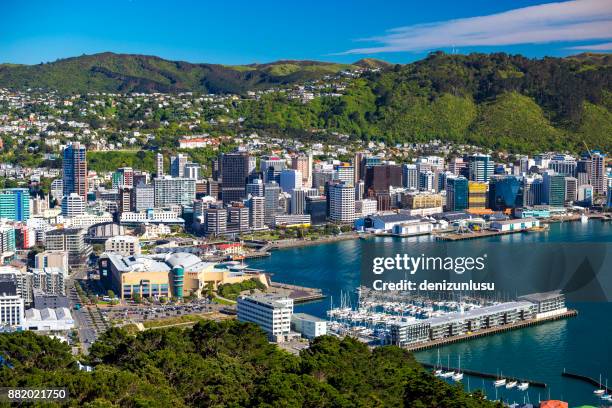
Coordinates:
column 485, row 375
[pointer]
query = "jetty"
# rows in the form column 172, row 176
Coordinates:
column 299, row 294
column 488, row 332
column 481, row 374
column 586, row 379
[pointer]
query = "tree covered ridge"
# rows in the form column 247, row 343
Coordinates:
column 227, row 364
column 499, row 101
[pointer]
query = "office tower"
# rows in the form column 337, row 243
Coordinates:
column 481, row 167
column 359, row 190
column 271, row 168
column 271, row 194
column 75, row 170
column 71, row 240
column 169, row 191
column 598, row 174
column 257, row 212
column 57, row 189
column 15, row 204
column 213, row 188
column 177, row 165
column 298, row 200
column 477, row 195
column 141, row 177
column 143, row 197
column 426, row 180
column 123, row 177
column 7, row 238
column 215, row 221
column 410, row 176
column 345, row 173
column 316, row 207
column 290, row 179
column 456, row 193
column 563, row 164
column 11, row 304
column 237, row 218
column 505, row 192
column 320, row 177
column 379, row 178
column 234, row 173
column 583, row 178
column 303, row 164
column 272, row 313
column 571, row 189
column 554, row 189
column 341, row 203
column 456, row 164
column 73, row 205
column 125, row 200
column 192, row 170
column 255, row 188
column 522, row 163
column 359, row 166
column 585, row 194
column 440, row 178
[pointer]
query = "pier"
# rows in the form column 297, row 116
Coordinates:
column 481, row 234
column 488, row 332
column 586, row 379
column 480, row 374
column 299, row 294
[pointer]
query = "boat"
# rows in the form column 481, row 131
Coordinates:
column 599, row 391
column 511, row 384
column 606, row 397
column 499, row 382
column 523, row 386
column 438, row 372
column 584, row 218
column 458, row 376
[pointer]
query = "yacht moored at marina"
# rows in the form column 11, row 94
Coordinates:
column 511, row 384
column 523, row 386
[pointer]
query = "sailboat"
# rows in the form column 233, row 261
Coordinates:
column 499, row 382
column 458, row 376
column 523, row 386
column 606, row 396
column 599, row 391
column 447, row 374
column 438, row 372
column 511, row 384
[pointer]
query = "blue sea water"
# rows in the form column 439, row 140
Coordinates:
column 582, row 344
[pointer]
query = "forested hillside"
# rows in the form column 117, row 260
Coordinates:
column 227, row 364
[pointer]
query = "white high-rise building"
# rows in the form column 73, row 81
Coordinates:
column 160, row 164
column 73, row 205
column 270, row 312
column 169, row 191
column 341, row 203
column 345, row 173
column 11, row 303
column 257, row 212
column 410, row 176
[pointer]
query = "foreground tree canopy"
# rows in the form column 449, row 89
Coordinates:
column 228, row 364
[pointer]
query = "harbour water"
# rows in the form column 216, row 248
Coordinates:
column 580, row 344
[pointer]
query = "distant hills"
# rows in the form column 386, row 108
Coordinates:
column 495, row 100
column 109, row 72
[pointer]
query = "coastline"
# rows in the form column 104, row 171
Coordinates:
column 297, row 243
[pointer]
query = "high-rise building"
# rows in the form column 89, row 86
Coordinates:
column 255, row 188
column 271, row 167
column 563, row 164
column 598, row 173
column 481, row 167
column 341, row 203
column 379, row 178
column 15, row 204
column 71, row 240
column 73, row 205
column 237, row 218
column 123, row 177
column 177, row 165
column 359, row 190
column 272, row 193
column 359, row 166
column 159, row 164
column 234, row 174
column 505, row 192
column 426, row 180
column 316, row 207
column 215, row 221
column 298, row 200
column 477, row 195
column 290, row 179
column 143, row 197
column 554, row 189
column 11, row 304
column 410, row 176
column 303, row 163
column 571, row 189
column 125, row 200
column 169, row 191
column 456, row 164
column 75, row 170
column 270, row 312
column 456, row 193
column 192, row 170
column 345, row 173
column 257, row 212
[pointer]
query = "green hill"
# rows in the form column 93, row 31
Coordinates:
column 109, row 72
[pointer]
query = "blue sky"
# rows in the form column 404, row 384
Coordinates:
column 246, row 31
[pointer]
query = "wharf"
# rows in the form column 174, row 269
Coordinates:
column 299, row 294
column 587, row 379
column 488, row 332
column 475, row 235
column 480, row 374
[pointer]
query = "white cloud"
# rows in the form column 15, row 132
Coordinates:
column 569, row 21
column 593, row 47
